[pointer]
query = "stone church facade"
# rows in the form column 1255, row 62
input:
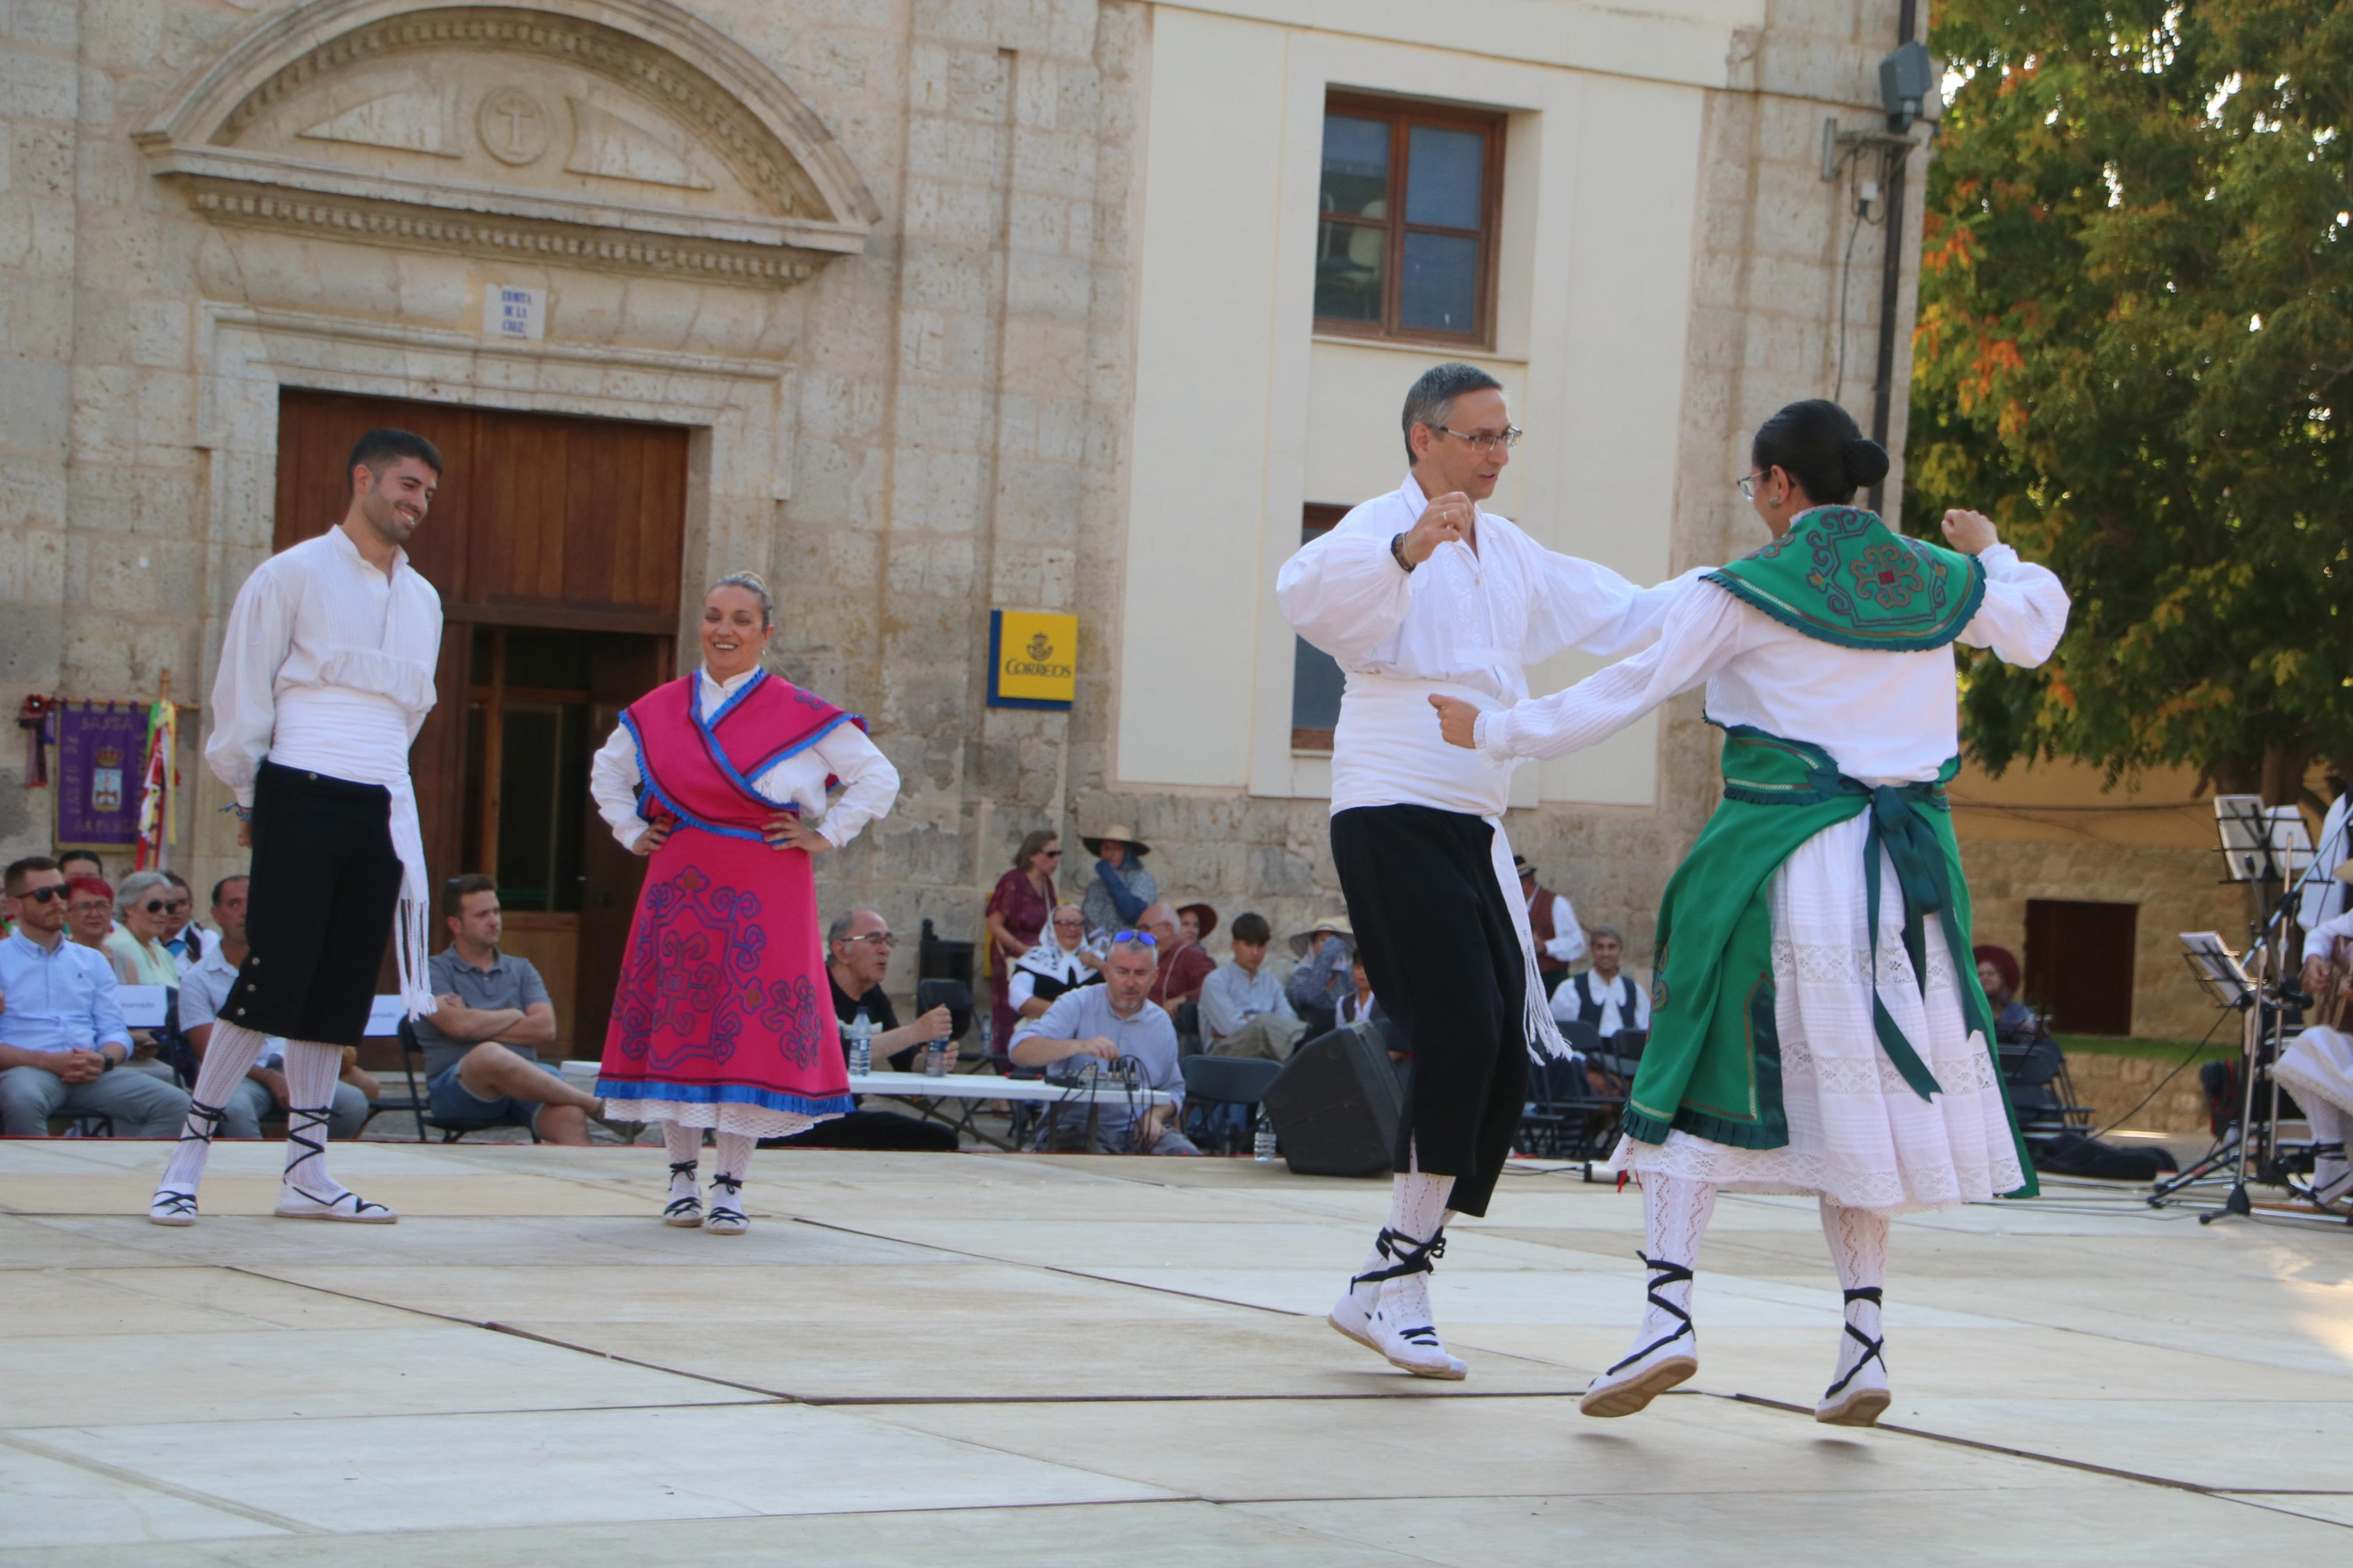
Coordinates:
column 921, row 308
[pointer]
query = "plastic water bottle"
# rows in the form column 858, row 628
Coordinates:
column 935, row 1058
column 862, row 1045
column 1262, row 1146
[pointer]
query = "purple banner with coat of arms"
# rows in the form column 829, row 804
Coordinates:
column 101, row 749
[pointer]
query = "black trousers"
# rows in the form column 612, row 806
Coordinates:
column 1441, row 952
column 318, row 910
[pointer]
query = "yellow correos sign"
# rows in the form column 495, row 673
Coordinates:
column 1033, row 659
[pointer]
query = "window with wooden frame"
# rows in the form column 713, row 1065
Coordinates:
column 1315, row 676
column 1406, row 214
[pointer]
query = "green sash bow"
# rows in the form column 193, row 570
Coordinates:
column 1841, row 575
column 1713, row 1065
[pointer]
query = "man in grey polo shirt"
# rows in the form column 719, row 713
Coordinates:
column 1087, row 1030
column 481, row 1044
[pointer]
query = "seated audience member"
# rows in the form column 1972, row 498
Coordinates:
column 1121, row 890
column 857, row 959
column 2014, row 1021
column 1321, row 978
column 1560, row 941
column 1243, row 1010
column 1060, row 963
column 1197, row 921
column 262, row 1091
column 1090, row 1029
column 1604, row 995
column 143, row 907
column 62, row 1034
column 184, row 938
column 1180, row 966
column 89, row 914
column 481, row 1041
column 863, row 1129
column 1359, row 1005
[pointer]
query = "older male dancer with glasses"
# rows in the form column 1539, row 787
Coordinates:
column 1418, row 592
column 326, row 675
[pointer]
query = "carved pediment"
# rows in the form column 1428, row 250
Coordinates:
column 609, row 134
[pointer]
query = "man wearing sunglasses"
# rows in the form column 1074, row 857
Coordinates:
column 61, row 1032
column 1420, row 594
column 1096, row 1027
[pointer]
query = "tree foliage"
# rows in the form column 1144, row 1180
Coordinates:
column 2135, row 349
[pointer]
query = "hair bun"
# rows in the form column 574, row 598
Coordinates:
column 1865, row 461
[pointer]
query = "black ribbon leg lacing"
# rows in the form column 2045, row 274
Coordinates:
column 300, row 1122
column 172, row 1200
column 1870, row 1347
column 728, row 1210
column 1662, row 1274
column 689, row 1204
column 1409, row 1256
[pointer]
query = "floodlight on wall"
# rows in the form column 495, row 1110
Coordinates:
column 1907, row 86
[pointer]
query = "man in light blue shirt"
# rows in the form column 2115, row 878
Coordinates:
column 61, row 1032
column 1088, row 1030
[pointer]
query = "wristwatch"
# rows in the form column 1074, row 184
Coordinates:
column 1396, row 552
column 106, row 1063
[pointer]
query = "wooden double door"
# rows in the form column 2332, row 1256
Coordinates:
column 556, row 545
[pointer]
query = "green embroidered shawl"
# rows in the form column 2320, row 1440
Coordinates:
column 1713, row 1065
column 1843, row 576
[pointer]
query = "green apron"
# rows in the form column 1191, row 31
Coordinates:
column 1713, row 1065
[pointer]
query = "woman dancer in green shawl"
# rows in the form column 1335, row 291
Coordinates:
column 1817, row 1026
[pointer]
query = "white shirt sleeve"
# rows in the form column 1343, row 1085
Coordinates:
column 613, row 781
column 1344, row 593
column 2024, row 613
column 1565, row 1001
column 1642, row 1007
column 1584, row 606
column 1057, row 1021
column 254, row 647
column 1020, row 988
column 1568, row 943
column 869, row 783
column 1701, row 635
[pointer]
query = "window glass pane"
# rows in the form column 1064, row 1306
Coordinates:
column 1315, row 683
column 1444, row 180
column 1356, row 166
column 530, row 764
column 1350, row 261
column 1442, row 283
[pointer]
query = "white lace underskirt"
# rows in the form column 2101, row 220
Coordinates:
column 750, row 1121
column 1858, row 1135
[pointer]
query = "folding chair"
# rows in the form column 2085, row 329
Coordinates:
column 1222, row 1081
column 412, row 1058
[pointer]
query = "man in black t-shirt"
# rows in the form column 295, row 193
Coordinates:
column 858, row 957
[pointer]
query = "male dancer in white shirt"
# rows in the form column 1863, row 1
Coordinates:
column 326, row 673
column 1414, row 594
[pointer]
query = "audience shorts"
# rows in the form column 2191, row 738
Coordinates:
column 448, row 1100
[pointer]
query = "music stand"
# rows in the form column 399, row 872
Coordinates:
column 2263, row 847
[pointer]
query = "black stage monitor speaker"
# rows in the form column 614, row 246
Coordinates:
column 1337, row 1103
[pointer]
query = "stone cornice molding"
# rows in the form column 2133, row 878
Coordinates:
column 737, row 107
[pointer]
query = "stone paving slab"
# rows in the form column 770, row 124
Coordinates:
column 996, row 1360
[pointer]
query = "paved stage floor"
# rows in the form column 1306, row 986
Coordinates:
column 1024, row 1360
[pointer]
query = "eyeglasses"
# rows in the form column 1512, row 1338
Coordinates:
column 1051, row 854
column 879, row 938
column 43, row 895
column 1746, row 483
column 1145, row 937
column 154, row 906
column 1485, row 441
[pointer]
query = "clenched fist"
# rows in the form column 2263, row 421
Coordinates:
column 1451, row 516
column 1971, row 532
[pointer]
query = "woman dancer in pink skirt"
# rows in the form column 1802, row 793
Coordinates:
column 723, row 1018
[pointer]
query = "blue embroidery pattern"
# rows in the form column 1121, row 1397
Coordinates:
column 694, row 954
